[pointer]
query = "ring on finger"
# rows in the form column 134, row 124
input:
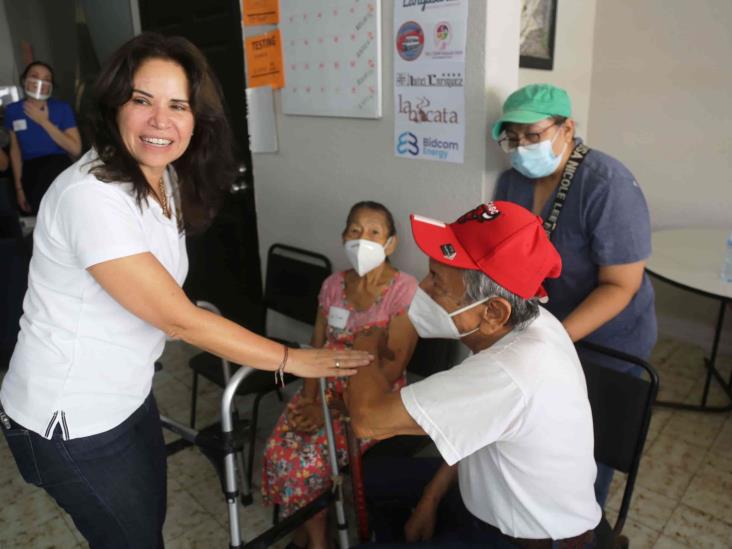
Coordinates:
column 337, row 364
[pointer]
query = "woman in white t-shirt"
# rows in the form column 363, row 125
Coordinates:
column 105, row 288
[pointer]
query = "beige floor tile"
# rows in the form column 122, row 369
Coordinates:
column 51, row 534
column 647, row 507
column 673, row 386
column 700, row 429
column 207, row 535
column 189, row 467
column 184, row 512
column 723, row 444
column 209, row 495
column 711, row 491
column 640, row 536
column 659, row 419
column 29, row 507
column 697, row 529
column 665, row 348
column 665, row 542
column 662, row 478
column 721, row 462
column 687, row 360
column 670, row 449
column 715, row 397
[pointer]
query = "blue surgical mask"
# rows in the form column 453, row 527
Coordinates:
column 537, row 160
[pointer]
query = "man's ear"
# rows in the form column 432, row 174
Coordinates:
column 496, row 314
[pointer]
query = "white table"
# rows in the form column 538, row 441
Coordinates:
column 691, row 259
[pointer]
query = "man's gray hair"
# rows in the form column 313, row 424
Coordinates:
column 479, row 286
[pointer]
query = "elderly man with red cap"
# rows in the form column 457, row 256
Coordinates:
column 512, row 422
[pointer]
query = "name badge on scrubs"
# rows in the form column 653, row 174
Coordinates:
column 20, row 125
column 338, row 317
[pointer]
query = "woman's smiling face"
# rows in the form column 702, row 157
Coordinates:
column 157, row 122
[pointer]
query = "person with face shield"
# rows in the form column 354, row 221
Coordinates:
column 373, row 293
column 512, row 422
column 595, row 214
column 44, row 138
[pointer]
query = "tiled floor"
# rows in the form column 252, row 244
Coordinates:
column 683, row 496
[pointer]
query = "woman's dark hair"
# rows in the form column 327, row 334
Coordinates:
column 37, row 64
column 206, row 167
column 377, row 207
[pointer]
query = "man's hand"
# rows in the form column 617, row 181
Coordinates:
column 421, row 524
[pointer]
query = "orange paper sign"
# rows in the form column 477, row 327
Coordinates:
column 264, row 60
column 261, row 12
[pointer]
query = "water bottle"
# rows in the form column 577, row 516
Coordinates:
column 727, row 265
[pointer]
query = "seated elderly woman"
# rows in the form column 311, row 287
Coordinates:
column 373, row 293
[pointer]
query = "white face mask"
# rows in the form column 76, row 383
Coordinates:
column 365, row 255
column 34, row 88
column 432, row 321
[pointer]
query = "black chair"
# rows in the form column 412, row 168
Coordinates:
column 621, row 412
column 292, row 284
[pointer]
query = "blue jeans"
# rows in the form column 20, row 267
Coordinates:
column 112, row 484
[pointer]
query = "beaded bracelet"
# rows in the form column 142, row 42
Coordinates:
column 280, row 372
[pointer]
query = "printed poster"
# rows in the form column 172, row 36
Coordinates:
column 260, row 12
column 429, row 79
column 264, row 60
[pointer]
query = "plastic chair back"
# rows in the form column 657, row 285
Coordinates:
column 293, row 281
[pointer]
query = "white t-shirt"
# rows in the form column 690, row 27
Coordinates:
column 82, row 360
column 517, row 419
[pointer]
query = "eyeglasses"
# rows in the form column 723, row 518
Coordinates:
column 510, row 143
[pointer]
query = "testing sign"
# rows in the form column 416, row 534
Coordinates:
column 264, row 60
column 429, row 79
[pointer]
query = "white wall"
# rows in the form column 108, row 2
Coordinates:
column 8, row 69
column 326, row 164
column 573, row 54
column 660, row 102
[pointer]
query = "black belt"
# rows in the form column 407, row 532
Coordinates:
column 577, row 542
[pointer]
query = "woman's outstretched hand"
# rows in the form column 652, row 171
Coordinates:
column 325, row 362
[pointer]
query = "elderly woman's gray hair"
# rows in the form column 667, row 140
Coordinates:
column 479, row 286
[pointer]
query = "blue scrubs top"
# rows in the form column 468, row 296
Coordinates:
column 33, row 140
column 604, row 221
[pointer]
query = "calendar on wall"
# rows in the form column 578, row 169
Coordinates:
column 332, row 57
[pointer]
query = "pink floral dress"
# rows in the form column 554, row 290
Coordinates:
column 295, row 468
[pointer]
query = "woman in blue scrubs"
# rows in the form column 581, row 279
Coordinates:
column 596, row 216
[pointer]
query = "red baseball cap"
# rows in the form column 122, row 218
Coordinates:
column 503, row 240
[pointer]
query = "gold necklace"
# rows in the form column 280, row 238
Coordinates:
column 164, row 199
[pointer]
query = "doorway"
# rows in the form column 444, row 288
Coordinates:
column 224, row 261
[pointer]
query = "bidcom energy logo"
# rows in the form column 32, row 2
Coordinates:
column 407, row 144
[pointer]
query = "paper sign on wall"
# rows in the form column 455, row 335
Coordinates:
column 332, row 54
column 264, row 60
column 429, row 79
column 261, row 120
column 260, row 12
